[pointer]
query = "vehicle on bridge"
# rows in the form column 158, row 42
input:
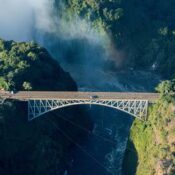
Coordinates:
column 13, row 91
column 94, row 96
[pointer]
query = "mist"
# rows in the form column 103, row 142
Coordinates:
column 73, row 41
column 24, row 20
column 19, row 19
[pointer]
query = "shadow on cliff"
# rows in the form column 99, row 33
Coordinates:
column 40, row 146
column 130, row 160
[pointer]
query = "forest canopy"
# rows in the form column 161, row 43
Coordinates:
column 144, row 30
column 22, row 63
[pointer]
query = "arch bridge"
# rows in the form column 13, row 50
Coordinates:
column 41, row 102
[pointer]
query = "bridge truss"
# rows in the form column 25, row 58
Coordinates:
column 2, row 100
column 136, row 108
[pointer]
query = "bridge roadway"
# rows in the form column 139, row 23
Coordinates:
column 41, row 102
column 68, row 95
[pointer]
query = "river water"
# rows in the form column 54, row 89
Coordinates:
column 97, row 155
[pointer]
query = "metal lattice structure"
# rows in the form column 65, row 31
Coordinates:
column 136, row 108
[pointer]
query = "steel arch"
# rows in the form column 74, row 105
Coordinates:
column 136, row 108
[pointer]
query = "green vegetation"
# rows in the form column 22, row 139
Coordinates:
column 27, row 86
column 14, row 60
column 154, row 140
column 22, row 63
column 3, row 84
column 143, row 30
column 104, row 15
column 166, row 87
column 35, row 147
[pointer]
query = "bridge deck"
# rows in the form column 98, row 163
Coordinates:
column 30, row 95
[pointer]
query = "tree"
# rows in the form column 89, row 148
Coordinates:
column 27, row 86
column 3, row 84
column 166, row 87
column 32, row 55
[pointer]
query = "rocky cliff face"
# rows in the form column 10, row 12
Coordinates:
column 37, row 147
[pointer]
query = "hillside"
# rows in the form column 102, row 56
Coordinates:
column 37, row 147
column 151, row 145
column 28, row 63
column 142, row 30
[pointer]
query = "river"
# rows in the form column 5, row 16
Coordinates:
column 97, row 155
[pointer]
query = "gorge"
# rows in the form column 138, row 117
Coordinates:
column 105, row 45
